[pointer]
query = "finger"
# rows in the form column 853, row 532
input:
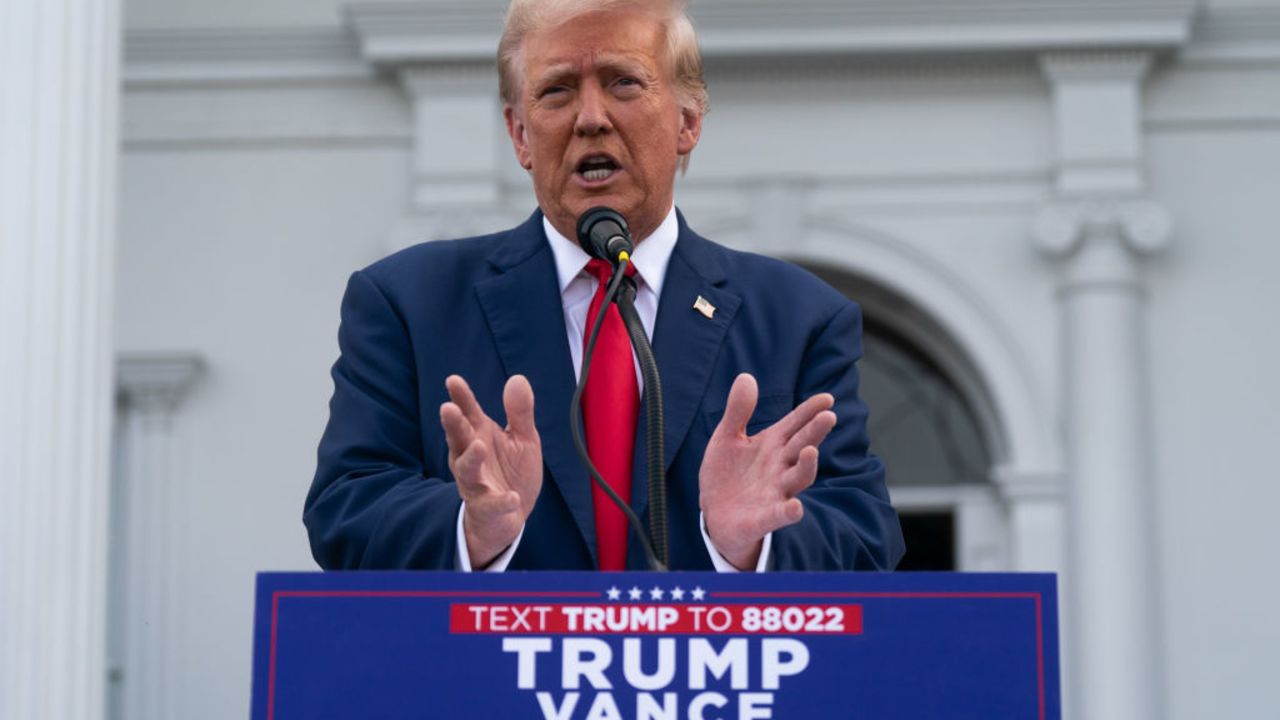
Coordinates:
column 802, row 414
column 813, row 433
column 458, row 432
column 460, row 393
column 487, row 503
column 801, row 475
column 469, row 472
column 517, row 398
column 509, row 502
column 788, row 513
column 739, row 405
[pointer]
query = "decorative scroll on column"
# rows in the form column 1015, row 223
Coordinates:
column 59, row 99
column 1097, row 230
column 149, row 521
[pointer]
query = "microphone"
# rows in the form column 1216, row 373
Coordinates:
column 603, row 233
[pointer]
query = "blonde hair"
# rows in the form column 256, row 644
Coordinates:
column 526, row 16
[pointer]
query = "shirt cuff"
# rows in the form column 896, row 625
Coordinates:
column 718, row 560
column 463, row 560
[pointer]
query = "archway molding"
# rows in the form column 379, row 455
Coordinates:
column 949, row 318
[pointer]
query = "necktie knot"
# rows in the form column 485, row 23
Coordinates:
column 602, row 270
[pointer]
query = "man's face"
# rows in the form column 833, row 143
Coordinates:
column 597, row 121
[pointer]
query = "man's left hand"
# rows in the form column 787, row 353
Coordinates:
column 749, row 484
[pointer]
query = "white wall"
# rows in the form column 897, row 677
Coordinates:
column 1215, row 349
column 241, row 255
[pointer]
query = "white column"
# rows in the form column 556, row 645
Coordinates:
column 1036, row 517
column 1097, row 230
column 152, row 511
column 459, row 147
column 457, row 123
column 59, row 97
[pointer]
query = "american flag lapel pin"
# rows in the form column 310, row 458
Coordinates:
column 704, row 307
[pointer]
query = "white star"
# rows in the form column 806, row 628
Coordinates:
column 635, row 593
column 614, row 593
column 677, row 593
column 656, row 593
column 698, row 593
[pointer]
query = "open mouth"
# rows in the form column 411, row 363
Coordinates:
column 597, row 168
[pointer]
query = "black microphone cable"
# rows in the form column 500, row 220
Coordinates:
column 655, row 423
column 575, row 418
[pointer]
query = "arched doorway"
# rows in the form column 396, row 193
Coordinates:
column 913, row 303
column 935, row 426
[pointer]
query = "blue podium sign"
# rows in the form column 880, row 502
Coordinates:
column 650, row 646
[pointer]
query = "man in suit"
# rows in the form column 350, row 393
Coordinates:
column 436, row 454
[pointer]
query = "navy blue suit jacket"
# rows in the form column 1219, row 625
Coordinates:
column 488, row 308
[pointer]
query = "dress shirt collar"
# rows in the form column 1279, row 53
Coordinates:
column 650, row 257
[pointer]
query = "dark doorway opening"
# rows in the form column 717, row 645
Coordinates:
column 931, row 540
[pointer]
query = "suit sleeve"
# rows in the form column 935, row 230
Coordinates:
column 848, row 522
column 371, row 504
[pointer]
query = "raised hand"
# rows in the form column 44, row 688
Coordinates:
column 498, row 470
column 749, row 484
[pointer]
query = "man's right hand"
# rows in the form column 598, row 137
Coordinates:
column 498, row 470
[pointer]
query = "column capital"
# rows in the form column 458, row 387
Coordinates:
column 1143, row 227
column 1126, row 66
column 458, row 136
column 156, row 382
column 422, row 79
column 1018, row 484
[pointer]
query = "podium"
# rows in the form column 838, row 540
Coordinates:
column 655, row 646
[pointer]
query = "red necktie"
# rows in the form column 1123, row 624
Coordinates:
column 610, row 403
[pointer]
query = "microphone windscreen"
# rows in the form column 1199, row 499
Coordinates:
column 603, row 233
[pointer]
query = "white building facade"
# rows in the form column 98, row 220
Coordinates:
column 1063, row 210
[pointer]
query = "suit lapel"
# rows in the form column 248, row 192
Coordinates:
column 526, row 317
column 685, row 343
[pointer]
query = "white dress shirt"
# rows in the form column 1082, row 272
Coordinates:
column 577, row 287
